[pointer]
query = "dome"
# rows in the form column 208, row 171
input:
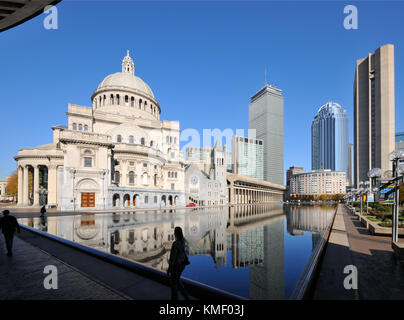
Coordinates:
column 330, row 109
column 127, row 80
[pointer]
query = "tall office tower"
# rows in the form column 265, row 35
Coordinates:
column 329, row 138
column 350, row 153
column 266, row 117
column 374, row 109
column 248, row 156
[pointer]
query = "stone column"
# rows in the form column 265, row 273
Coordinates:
column 52, row 185
column 25, row 199
column 36, row 186
column 20, row 185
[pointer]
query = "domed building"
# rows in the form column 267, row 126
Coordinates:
column 115, row 154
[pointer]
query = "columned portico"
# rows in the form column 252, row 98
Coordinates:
column 35, row 190
column 25, row 197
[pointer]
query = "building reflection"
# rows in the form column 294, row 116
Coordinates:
column 253, row 234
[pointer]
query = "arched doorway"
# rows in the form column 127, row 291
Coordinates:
column 170, row 200
column 164, row 200
column 115, row 200
column 126, row 200
column 135, row 198
column 175, row 200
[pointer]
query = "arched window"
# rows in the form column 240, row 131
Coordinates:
column 118, row 138
column 74, row 126
column 142, row 141
column 104, row 100
column 80, row 127
column 144, row 178
column 118, row 100
column 112, row 99
column 155, row 180
column 132, row 102
column 85, row 127
column 126, row 101
column 140, row 103
column 131, row 139
column 100, row 101
column 117, row 177
column 131, row 177
column 145, row 105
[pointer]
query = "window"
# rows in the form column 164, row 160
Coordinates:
column 88, row 162
column 155, row 199
column 146, row 199
column 132, row 102
column 117, row 177
column 74, row 126
column 131, row 139
column 131, row 163
column 167, row 139
column 145, row 165
column 175, row 175
column 140, row 103
column 131, row 177
column 80, row 127
column 172, row 154
column 85, row 127
column 144, row 178
column 112, row 99
column 172, row 186
column 103, row 100
column 126, row 101
column 175, row 140
column 118, row 100
column 142, row 141
column 118, row 138
column 151, row 143
column 169, row 174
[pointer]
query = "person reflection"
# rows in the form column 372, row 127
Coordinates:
column 177, row 262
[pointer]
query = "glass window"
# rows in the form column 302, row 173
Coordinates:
column 131, row 139
column 119, row 138
column 131, row 177
column 132, row 163
column 85, row 127
column 146, row 199
column 145, row 165
column 88, row 162
column 142, row 141
column 172, row 186
column 74, row 126
column 132, row 102
column 80, row 127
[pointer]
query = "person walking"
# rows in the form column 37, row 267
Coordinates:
column 9, row 225
column 177, row 263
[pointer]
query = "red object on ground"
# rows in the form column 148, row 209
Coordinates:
column 191, row 205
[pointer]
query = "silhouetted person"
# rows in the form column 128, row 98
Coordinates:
column 178, row 261
column 43, row 210
column 9, row 225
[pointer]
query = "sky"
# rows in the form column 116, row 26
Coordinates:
column 203, row 61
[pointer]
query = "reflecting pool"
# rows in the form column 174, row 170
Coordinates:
column 255, row 251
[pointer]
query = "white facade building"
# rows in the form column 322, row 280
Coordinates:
column 117, row 153
column 318, row 182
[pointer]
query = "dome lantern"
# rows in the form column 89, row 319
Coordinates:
column 127, row 64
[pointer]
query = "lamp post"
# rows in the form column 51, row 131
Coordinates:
column 394, row 157
column 367, row 189
column 361, row 190
column 373, row 174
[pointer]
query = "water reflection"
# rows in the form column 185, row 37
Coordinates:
column 267, row 245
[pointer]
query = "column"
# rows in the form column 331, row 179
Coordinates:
column 25, row 199
column 52, row 185
column 36, row 185
column 20, row 185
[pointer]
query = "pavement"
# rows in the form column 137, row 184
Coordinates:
column 22, row 277
column 380, row 275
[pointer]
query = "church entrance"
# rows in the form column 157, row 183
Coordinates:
column 87, row 199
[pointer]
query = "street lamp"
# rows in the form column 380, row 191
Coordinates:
column 367, row 189
column 361, row 190
column 373, row 174
column 398, row 170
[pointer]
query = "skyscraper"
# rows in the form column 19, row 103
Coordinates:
column 374, row 108
column 266, row 117
column 248, row 155
column 329, row 138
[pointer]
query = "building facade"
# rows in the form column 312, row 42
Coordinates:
column 400, row 140
column 291, row 171
column 329, row 138
column 266, row 117
column 116, row 153
column 207, row 188
column 350, row 164
column 318, row 182
column 374, row 113
column 248, row 155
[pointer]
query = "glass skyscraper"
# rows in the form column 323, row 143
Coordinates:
column 329, row 138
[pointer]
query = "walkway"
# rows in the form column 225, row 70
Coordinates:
column 22, row 277
column 380, row 275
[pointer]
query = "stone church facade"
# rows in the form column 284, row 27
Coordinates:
column 115, row 154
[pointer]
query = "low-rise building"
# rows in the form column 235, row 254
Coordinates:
column 318, row 182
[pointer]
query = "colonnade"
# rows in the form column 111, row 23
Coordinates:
column 244, row 195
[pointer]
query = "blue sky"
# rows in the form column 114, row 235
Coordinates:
column 203, row 61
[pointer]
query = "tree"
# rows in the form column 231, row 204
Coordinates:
column 12, row 185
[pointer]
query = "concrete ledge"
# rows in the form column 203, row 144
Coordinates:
column 398, row 249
